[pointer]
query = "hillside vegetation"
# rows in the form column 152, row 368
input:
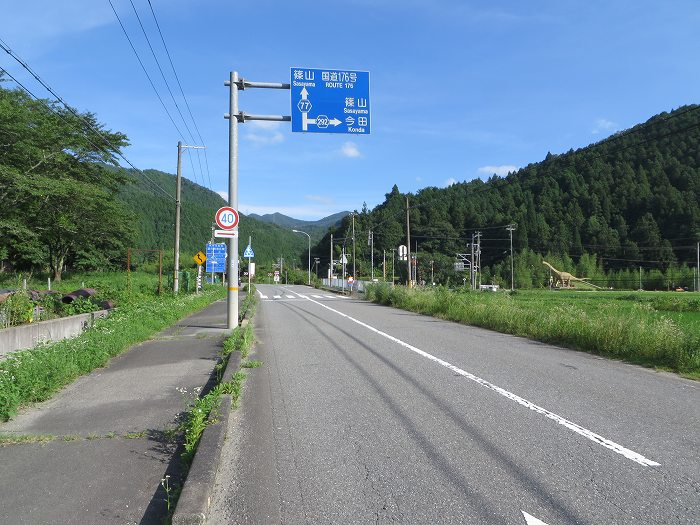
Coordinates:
column 155, row 213
column 604, row 211
column 65, row 203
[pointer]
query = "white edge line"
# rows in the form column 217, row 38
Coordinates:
column 629, row 454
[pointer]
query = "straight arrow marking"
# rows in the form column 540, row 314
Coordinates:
column 582, row 431
column 531, row 520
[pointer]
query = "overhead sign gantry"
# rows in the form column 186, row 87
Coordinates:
column 322, row 101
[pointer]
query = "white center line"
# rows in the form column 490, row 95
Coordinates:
column 629, row 454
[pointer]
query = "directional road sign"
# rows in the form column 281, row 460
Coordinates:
column 330, row 101
column 226, row 218
column 216, row 258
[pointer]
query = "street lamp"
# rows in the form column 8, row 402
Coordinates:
column 309, row 236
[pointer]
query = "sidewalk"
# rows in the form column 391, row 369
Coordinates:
column 112, row 439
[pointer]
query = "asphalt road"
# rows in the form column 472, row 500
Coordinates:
column 366, row 414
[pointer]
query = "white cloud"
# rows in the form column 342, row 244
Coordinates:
column 450, row 182
column 321, row 199
column 349, row 149
column 603, row 125
column 224, row 194
column 263, row 132
column 501, row 171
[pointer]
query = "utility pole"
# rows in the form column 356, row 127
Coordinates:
column 477, row 274
column 371, row 240
column 408, row 245
column 471, row 266
column 330, row 267
column 432, row 273
column 353, row 247
column 384, row 267
column 510, row 228
column 178, row 186
column 415, row 264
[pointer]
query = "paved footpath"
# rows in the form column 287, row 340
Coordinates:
column 112, row 433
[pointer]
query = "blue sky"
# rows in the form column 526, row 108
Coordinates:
column 459, row 89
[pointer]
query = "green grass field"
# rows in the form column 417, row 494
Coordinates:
column 656, row 329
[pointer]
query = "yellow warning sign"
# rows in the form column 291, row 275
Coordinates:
column 200, row 258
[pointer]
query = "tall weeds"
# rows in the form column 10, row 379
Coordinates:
column 638, row 333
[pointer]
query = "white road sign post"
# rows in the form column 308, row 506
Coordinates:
column 322, row 101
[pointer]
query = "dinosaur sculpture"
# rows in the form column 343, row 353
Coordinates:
column 565, row 278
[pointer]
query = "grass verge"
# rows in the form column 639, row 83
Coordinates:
column 632, row 330
column 34, row 375
column 202, row 411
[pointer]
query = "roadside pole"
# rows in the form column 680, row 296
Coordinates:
column 232, row 294
column 176, row 276
column 178, row 191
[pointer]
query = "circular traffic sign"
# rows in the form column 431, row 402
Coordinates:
column 226, row 218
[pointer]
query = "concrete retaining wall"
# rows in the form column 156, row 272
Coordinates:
column 30, row 335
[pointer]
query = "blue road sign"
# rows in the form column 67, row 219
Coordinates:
column 216, row 257
column 330, row 101
column 249, row 252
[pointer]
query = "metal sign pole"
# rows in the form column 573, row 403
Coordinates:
column 232, row 295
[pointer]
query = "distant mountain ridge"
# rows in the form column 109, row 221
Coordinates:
column 314, row 228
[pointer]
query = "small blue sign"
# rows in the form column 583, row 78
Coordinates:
column 330, row 101
column 216, row 258
column 249, row 252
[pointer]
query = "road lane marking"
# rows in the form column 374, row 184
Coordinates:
column 292, row 297
column 261, row 295
column 277, row 296
column 531, row 520
column 596, row 438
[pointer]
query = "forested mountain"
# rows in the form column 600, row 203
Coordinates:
column 65, row 203
column 155, row 220
column 316, row 229
column 629, row 201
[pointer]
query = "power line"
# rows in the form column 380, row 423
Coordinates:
column 165, row 80
column 182, row 91
column 144, row 70
column 89, row 125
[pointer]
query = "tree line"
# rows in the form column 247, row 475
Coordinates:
column 65, row 202
column 629, row 201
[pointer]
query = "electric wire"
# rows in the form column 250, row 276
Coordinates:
column 167, row 85
column 89, row 125
column 182, row 92
column 138, row 57
column 80, row 117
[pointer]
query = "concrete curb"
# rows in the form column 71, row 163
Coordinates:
column 193, row 505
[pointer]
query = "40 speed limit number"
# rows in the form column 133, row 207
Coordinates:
column 226, row 218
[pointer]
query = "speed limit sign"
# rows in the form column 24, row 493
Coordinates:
column 226, row 218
